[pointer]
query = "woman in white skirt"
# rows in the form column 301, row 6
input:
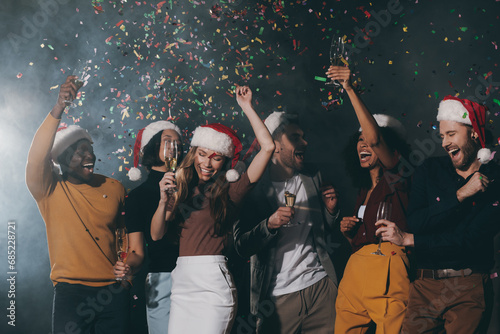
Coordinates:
column 202, row 212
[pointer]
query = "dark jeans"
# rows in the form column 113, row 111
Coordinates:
column 80, row 309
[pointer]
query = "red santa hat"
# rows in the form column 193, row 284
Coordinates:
column 223, row 140
column 143, row 137
column 470, row 113
column 386, row 121
column 65, row 137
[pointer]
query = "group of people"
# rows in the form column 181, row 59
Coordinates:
column 422, row 243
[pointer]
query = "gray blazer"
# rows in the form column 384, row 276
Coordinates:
column 252, row 238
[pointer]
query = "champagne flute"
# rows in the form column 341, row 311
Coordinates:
column 337, row 49
column 121, row 239
column 81, row 71
column 171, row 155
column 289, row 200
column 384, row 212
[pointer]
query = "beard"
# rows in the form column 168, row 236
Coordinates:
column 469, row 151
column 288, row 159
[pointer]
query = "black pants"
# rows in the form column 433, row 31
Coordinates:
column 80, row 309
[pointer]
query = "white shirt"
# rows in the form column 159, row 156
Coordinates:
column 296, row 264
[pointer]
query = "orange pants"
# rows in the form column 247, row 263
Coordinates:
column 374, row 288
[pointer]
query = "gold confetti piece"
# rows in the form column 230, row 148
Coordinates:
column 54, row 87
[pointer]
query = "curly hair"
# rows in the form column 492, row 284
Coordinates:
column 361, row 176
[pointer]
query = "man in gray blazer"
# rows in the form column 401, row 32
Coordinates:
column 293, row 280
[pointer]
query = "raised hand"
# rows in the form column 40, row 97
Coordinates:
column 167, row 182
column 243, row 96
column 477, row 183
column 342, row 74
column 281, row 217
column 67, row 92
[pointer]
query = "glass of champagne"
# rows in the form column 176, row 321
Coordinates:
column 171, row 154
column 384, row 212
column 289, row 200
column 121, row 239
column 81, row 71
column 337, row 50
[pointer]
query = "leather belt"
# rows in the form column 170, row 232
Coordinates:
column 443, row 273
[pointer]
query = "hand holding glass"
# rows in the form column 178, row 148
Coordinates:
column 289, row 202
column 384, row 212
column 80, row 71
column 121, row 247
column 171, row 154
column 337, row 50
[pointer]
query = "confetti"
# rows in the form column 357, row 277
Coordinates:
column 322, row 79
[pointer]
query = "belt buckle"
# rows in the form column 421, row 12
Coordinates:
column 443, row 273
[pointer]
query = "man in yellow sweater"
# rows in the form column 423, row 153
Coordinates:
column 81, row 211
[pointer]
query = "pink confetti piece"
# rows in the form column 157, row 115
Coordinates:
column 438, row 199
column 19, row 75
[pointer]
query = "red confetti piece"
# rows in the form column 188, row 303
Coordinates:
column 393, row 253
column 19, row 75
column 119, row 23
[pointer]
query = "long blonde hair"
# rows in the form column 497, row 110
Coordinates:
column 187, row 178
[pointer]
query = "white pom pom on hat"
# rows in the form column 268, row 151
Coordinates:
column 386, row 121
column 144, row 135
column 467, row 112
column 223, row 140
column 65, row 137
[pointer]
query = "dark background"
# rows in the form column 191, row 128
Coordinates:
column 152, row 57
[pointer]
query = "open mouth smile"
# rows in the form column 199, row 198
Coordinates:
column 89, row 167
column 364, row 156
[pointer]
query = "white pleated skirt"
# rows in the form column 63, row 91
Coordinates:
column 203, row 296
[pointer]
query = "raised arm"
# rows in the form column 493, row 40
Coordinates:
column 259, row 163
column 371, row 130
column 164, row 210
column 39, row 166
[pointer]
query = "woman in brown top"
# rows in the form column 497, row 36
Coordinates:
column 204, row 208
column 375, row 285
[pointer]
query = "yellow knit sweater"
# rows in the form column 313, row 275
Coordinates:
column 74, row 256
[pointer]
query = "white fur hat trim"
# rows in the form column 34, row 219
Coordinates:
column 453, row 110
column 274, row 120
column 386, row 121
column 67, row 137
column 213, row 140
column 154, row 128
